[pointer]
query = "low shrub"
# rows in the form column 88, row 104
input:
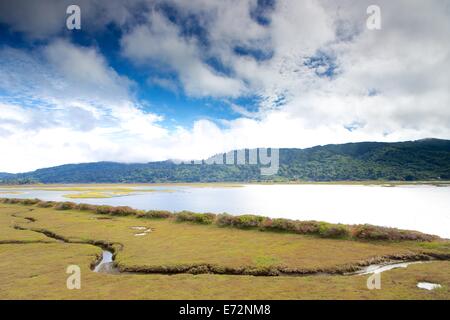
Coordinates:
column 30, row 202
column 327, row 230
column 369, row 232
column 248, row 221
column 12, row 200
column 65, row 206
column 307, row 227
column 202, row 218
column 86, row 207
column 416, row 236
column 244, row 221
column 103, row 209
column 224, row 219
column 46, row 204
column 280, row 224
column 122, row 211
column 300, row 227
column 156, row 214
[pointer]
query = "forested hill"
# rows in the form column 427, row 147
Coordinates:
column 417, row 160
column 4, row 175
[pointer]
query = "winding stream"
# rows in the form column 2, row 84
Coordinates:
column 379, row 268
column 106, row 265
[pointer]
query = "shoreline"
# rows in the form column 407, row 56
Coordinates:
column 445, row 183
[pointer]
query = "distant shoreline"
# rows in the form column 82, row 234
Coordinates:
column 239, row 184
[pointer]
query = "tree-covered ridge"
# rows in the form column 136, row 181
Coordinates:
column 418, row 160
column 403, row 161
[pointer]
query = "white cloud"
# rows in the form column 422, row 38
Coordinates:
column 44, row 18
column 65, row 103
column 393, row 82
column 159, row 42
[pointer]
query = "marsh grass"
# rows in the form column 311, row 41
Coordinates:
column 176, row 247
column 33, row 270
column 27, row 275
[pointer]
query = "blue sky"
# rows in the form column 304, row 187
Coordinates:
column 167, row 98
column 147, row 80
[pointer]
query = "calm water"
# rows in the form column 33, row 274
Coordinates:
column 423, row 208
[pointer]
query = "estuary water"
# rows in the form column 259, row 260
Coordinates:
column 424, row 208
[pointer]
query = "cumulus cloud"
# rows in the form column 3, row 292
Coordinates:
column 393, row 82
column 44, row 18
column 63, row 102
column 159, row 42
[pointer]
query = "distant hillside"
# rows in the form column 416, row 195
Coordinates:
column 418, row 160
column 4, row 175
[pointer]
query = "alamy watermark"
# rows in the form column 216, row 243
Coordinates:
column 73, row 21
column 374, row 20
column 74, row 280
column 267, row 158
column 374, row 281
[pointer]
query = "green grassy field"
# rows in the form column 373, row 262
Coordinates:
column 33, row 265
